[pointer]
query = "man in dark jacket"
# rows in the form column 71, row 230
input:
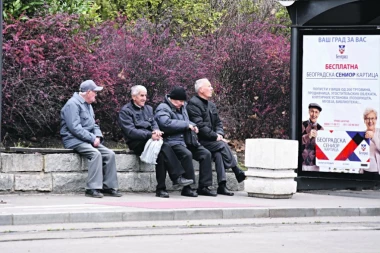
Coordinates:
column 138, row 125
column 80, row 132
column 211, row 135
column 172, row 118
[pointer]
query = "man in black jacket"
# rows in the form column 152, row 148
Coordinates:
column 138, row 125
column 211, row 135
column 172, row 118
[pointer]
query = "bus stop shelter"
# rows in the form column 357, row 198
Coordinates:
column 335, row 66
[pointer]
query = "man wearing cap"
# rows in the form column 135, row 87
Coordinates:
column 309, row 134
column 172, row 118
column 211, row 135
column 138, row 126
column 80, row 132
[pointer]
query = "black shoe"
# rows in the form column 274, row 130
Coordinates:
column 223, row 190
column 111, row 192
column 93, row 193
column 188, row 192
column 181, row 181
column 241, row 177
column 162, row 194
column 205, row 191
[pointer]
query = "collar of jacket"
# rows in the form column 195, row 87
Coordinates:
column 205, row 101
column 174, row 109
column 79, row 98
column 135, row 106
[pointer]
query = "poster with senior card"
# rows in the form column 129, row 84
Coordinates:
column 340, row 92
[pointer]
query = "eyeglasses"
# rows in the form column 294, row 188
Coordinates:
column 370, row 119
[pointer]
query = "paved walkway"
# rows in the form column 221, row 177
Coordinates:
column 48, row 208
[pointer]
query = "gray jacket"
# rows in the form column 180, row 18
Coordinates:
column 78, row 123
column 172, row 122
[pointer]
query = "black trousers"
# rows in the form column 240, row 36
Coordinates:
column 167, row 161
column 223, row 158
column 200, row 154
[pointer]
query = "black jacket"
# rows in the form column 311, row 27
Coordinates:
column 137, row 123
column 205, row 114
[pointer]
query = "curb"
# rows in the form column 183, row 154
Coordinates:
column 183, row 214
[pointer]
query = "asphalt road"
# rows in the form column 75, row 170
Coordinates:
column 321, row 234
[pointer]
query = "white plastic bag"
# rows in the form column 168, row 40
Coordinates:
column 151, row 150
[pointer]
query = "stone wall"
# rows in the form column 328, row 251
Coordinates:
column 67, row 172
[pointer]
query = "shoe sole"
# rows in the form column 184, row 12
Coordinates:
column 165, row 197
column 93, row 196
column 191, row 196
column 111, row 195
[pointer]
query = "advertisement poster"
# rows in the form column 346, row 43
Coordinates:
column 340, row 103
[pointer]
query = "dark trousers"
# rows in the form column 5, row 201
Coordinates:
column 223, row 158
column 166, row 161
column 200, row 154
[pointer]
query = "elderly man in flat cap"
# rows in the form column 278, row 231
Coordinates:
column 172, row 118
column 310, row 130
column 80, row 132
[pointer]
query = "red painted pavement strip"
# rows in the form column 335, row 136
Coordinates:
column 176, row 204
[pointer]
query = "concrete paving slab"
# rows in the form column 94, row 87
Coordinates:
column 76, row 208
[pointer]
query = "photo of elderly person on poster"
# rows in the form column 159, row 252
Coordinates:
column 373, row 133
column 309, row 134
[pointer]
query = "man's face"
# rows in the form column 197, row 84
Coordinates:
column 177, row 103
column 314, row 114
column 140, row 98
column 90, row 96
column 206, row 90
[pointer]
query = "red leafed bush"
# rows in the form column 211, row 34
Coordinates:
column 45, row 60
column 252, row 88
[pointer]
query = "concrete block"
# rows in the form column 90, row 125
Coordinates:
column 6, row 219
column 369, row 211
column 33, row 182
column 125, row 181
column 270, row 187
column 127, row 162
column 270, row 173
column 291, row 212
column 21, row 162
column 204, row 214
column 342, row 212
column 6, row 182
column 36, row 218
column 69, row 182
column 245, row 213
column 133, row 181
column 142, row 182
column 62, row 162
column 271, row 153
column 111, row 216
column 144, row 167
column 149, row 215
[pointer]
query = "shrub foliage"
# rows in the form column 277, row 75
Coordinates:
column 45, row 60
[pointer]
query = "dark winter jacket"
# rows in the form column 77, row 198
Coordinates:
column 137, row 123
column 205, row 114
column 172, row 122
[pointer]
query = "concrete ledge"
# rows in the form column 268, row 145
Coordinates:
column 48, row 170
column 190, row 214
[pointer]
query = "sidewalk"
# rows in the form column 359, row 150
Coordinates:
column 48, row 208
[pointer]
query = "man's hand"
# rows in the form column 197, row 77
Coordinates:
column 96, row 142
column 369, row 134
column 156, row 136
column 219, row 138
column 193, row 128
column 196, row 130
